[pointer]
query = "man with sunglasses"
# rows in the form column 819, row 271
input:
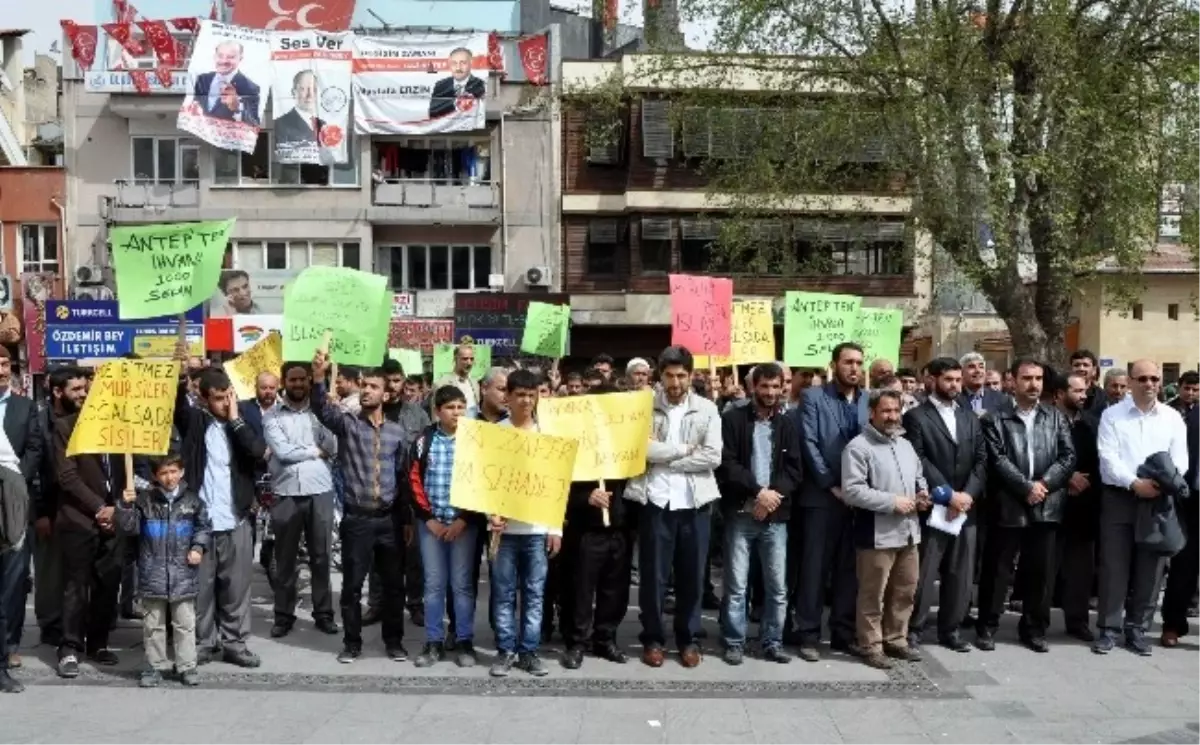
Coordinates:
column 1130, row 431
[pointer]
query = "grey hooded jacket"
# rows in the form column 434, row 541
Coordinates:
column 877, row 468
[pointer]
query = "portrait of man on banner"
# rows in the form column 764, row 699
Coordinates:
column 226, row 92
column 461, row 84
column 301, row 126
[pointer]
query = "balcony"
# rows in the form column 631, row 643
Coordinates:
column 141, row 201
column 399, row 201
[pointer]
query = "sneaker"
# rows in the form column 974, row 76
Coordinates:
column 348, row 655
column 733, row 656
column 190, row 677
column 877, row 660
column 431, row 654
column 464, row 654
column 503, row 664
column 1104, row 643
column 775, row 653
column 105, row 657
column 150, row 679
column 397, row 653
column 532, row 664
column 809, row 652
column 9, row 684
column 1135, row 641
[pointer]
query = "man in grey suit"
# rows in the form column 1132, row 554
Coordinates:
column 829, row 418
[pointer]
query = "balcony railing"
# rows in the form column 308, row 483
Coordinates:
column 151, row 195
column 402, row 193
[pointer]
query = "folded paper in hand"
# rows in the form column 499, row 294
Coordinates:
column 938, row 520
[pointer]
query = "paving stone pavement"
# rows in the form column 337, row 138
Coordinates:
column 302, row 695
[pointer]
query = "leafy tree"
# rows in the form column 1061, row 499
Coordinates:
column 1033, row 136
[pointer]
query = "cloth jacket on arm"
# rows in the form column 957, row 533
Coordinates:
column 166, row 530
column 701, row 435
column 876, row 468
column 736, row 474
column 823, row 440
column 959, row 462
column 1054, row 462
column 246, row 450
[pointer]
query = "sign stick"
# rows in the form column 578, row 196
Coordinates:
column 183, row 329
column 604, row 512
column 325, row 342
column 494, row 544
column 128, row 470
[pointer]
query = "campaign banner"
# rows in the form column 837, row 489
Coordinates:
column 248, row 293
column 414, row 84
column 231, row 73
column 93, row 329
column 311, row 89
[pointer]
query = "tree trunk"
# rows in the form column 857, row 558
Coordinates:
column 1043, row 342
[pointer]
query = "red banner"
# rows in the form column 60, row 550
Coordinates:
column 83, row 42
column 186, row 24
column 293, row 15
column 533, row 50
column 420, row 333
column 122, row 34
column 494, row 55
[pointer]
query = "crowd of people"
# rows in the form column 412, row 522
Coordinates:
column 879, row 493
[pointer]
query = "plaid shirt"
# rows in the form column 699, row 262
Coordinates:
column 372, row 457
column 438, row 470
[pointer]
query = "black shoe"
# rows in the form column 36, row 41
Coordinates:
column 610, row 651
column 1036, row 643
column 1082, row 633
column 241, row 658
column 775, row 653
column 984, row 641
column 348, row 655
column 1104, row 643
column 464, row 654
column 954, row 642
column 733, row 656
column 280, row 630
column 503, row 664
column 572, row 658
column 150, row 679
column 105, row 657
column 327, row 626
column 396, row 652
column 417, row 614
column 710, row 601
column 9, row 684
column 908, row 654
column 431, row 654
column 68, row 666
column 532, row 664
column 809, row 652
column 1135, row 641
column 372, row 616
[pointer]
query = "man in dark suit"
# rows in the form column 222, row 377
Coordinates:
column 226, row 93
column 460, row 84
column 948, row 438
column 829, row 418
column 21, row 429
column 1181, row 580
column 976, row 396
column 300, row 127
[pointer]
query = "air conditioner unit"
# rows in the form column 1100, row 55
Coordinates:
column 537, row 276
column 93, row 292
column 89, row 274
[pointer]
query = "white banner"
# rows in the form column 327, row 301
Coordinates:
column 311, row 95
column 416, row 84
column 231, row 70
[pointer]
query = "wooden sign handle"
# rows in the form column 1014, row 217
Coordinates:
column 494, row 545
column 604, row 511
column 326, row 341
column 128, row 470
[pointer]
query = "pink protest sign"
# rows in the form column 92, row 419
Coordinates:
column 701, row 308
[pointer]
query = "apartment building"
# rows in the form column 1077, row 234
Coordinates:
column 438, row 215
column 641, row 208
column 12, row 98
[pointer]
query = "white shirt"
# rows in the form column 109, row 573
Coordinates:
column 468, row 390
column 671, row 490
column 1128, row 436
column 1028, row 418
column 947, row 411
column 8, row 456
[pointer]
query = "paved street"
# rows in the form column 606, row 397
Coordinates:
column 301, row 694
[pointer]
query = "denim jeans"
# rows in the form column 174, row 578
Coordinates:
column 744, row 534
column 449, row 564
column 521, row 564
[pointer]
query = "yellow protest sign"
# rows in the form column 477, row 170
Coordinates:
column 512, row 472
column 129, row 409
column 265, row 356
column 613, row 431
column 753, row 336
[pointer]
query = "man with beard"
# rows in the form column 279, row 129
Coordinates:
column 830, row 418
column 759, row 473
column 1085, row 365
column 1081, row 514
column 464, row 360
column 92, row 555
column 302, row 484
column 1032, row 457
column 949, row 440
column 1189, row 393
column 347, row 388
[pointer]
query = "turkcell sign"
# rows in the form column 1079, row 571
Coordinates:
column 92, row 329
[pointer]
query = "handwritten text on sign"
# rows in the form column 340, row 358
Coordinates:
column 752, row 338
column 701, row 308
column 879, row 332
column 613, row 431
column 355, row 306
column 511, row 472
column 129, row 409
column 265, row 356
column 816, row 323
column 167, row 269
column 546, row 329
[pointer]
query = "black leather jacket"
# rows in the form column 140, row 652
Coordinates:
column 1053, row 464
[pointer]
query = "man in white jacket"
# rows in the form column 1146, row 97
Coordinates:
column 676, row 491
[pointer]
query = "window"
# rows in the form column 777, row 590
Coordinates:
column 604, row 142
column 658, row 136
column 260, row 169
column 39, row 248
column 1173, row 311
column 655, row 248
column 602, row 244
column 441, row 267
column 847, row 247
column 250, row 255
column 464, row 161
column 166, row 160
column 1137, row 312
column 697, row 236
column 720, row 133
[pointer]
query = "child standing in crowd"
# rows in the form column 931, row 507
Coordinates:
column 173, row 527
column 447, row 536
column 521, row 560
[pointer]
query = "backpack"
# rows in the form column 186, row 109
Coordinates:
column 14, row 510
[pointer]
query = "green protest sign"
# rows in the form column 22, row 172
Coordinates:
column 815, row 323
column 443, row 360
column 167, row 269
column 409, row 359
column 546, row 328
column 354, row 306
column 879, row 331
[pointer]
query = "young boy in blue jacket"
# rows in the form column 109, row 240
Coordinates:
column 173, row 529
